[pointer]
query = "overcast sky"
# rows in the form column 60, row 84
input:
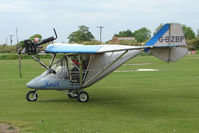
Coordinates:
column 40, row 16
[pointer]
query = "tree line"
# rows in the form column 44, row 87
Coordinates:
column 142, row 35
column 84, row 36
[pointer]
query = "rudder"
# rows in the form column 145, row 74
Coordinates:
column 168, row 43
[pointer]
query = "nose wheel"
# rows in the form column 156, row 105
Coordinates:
column 32, row 96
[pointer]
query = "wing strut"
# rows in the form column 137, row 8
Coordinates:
column 80, row 70
column 106, row 68
column 48, row 68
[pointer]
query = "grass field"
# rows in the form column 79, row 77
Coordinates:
column 165, row 101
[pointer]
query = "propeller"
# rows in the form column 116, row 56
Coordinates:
column 31, row 48
column 19, row 53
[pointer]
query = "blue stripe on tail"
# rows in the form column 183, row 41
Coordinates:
column 159, row 34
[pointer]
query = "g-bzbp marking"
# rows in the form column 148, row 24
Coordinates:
column 171, row 39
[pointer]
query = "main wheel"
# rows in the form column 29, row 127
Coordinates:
column 32, row 96
column 72, row 93
column 83, row 97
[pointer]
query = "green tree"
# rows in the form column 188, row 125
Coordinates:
column 188, row 32
column 194, row 43
column 158, row 28
column 22, row 45
column 35, row 36
column 142, row 34
column 198, row 34
column 83, row 34
column 32, row 38
column 126, row 33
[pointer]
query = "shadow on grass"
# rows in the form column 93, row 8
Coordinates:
column 149, row 104
column 57, row 101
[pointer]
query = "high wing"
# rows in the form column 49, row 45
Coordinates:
column 79, row 48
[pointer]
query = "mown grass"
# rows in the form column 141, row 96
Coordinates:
column 163, row 101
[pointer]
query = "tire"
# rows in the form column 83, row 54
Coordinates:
column 74, row 92
column 31, row 96
column 83, row 97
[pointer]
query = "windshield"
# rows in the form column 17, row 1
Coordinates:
column 61, row 68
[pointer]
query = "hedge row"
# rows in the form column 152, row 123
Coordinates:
column 11, row 56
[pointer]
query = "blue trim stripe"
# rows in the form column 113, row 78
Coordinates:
column 159, row 34
column 72, row 49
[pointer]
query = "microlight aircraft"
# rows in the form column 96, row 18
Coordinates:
column 82, row 66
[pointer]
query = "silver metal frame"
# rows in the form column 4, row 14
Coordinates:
column 72, row 62
column 80, row 71
column 80, row 68
column 36, row 59
column 87, row 68
column 68, row 59
column 51, row 62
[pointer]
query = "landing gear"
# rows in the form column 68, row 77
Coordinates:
column 81, row 96
column 32, row 96
column 72, row 93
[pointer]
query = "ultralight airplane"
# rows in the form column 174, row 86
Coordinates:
column 82, row 66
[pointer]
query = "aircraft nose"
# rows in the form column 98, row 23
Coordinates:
column 32, row 85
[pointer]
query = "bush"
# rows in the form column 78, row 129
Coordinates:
column 93, row 42
column 194, row 43
column 8, row 49
column 12, row 56
column 126, row 42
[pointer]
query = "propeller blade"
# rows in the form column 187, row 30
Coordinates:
column 19, row 54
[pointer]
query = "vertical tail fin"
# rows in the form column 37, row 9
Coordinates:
column 168, row 43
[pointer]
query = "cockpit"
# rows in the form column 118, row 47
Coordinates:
column 72, row 67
